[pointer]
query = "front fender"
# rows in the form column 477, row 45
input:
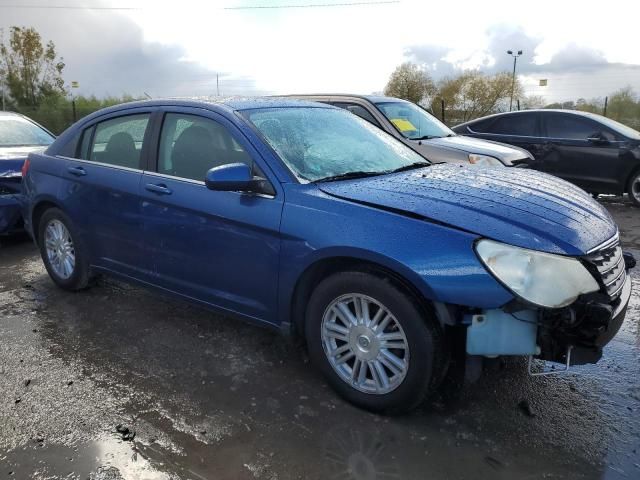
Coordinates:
column 437, row 260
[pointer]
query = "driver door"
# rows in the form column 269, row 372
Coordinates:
column 220, row 248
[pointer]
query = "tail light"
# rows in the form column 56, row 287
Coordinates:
column 25, row 167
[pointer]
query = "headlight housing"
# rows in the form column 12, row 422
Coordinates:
column 544, row 279
column 484, row 160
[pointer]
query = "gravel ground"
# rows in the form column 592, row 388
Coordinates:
column 118, row 382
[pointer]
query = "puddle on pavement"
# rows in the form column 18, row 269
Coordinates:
column 213, row 398
column 105, row 459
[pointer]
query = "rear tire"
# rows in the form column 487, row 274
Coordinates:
column 633, row 188
column 390, row 358
column 62, row 251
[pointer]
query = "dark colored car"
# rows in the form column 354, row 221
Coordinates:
column 305, row 218
column 422, row 132
column 19, row 136
column 596, row 153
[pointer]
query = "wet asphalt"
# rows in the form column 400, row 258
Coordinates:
column 118, row 382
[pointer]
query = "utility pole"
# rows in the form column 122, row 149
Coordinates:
column 74, row 84
column 513, row 79
column 217, row 85
column 606, row 101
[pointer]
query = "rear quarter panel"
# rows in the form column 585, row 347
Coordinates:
column 43, row 183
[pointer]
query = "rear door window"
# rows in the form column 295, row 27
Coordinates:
column 118, row 141
column 520, row 124
column 481, row 126
column 571, row 127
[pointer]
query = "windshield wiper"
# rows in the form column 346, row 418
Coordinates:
column 350, row 175
column 411, row 166
column 425, row 137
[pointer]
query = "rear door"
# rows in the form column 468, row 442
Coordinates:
column 102, row 191
column 221, row 248
column 593, row 165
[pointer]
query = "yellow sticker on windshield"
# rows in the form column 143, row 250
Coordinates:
column 403, row 125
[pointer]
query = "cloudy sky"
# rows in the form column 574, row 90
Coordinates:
column 584, row 49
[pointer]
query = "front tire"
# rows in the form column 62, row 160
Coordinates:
column 634, row 189
column 62, row 251
column 377, row 347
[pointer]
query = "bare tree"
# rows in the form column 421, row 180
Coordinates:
column 411, row 83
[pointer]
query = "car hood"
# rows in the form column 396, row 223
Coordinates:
column 515, row 206
column 12, row 159
column 503, row 152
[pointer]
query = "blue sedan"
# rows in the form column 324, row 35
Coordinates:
column 303, row 217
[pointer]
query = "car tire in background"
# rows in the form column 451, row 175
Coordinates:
column 62, row 251
column 634, row 188
column 375, row 344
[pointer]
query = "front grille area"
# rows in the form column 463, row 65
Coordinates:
column 610, row 266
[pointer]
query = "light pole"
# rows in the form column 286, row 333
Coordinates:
column 513, row 79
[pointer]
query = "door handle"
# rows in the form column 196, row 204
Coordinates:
column 77, row 171
column 158, row 188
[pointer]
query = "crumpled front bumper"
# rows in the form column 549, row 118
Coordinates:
column 583, row 328
column 617, row 317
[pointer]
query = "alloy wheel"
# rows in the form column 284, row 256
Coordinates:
column 365, row 344
column 60, row 249
column 635, row 188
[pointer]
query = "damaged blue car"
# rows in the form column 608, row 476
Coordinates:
column 19, row 136
column 303, row 217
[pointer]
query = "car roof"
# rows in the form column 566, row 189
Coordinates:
column 593, row 116
column 5, row 113
column 370, row 98
column 212, row 103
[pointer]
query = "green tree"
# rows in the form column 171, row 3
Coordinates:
column 595, row 105
column 473, row 94
column 532, row 101
column 624, row 106
column 31, row 70
column 56, row 112
column 410, row 82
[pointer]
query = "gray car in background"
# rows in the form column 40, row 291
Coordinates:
column 423, row 132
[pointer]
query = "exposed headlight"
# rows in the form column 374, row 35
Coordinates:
column 484, row 160
column 543, row 279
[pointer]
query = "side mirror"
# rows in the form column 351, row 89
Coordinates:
column 234, row 177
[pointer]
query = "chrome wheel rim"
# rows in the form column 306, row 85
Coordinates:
column 365, row 344
column 60, row 250
column 635, row 188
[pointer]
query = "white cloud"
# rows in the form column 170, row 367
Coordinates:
column 176, row 48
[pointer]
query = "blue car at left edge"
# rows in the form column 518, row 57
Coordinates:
column 19, row 136
column 303, row 217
